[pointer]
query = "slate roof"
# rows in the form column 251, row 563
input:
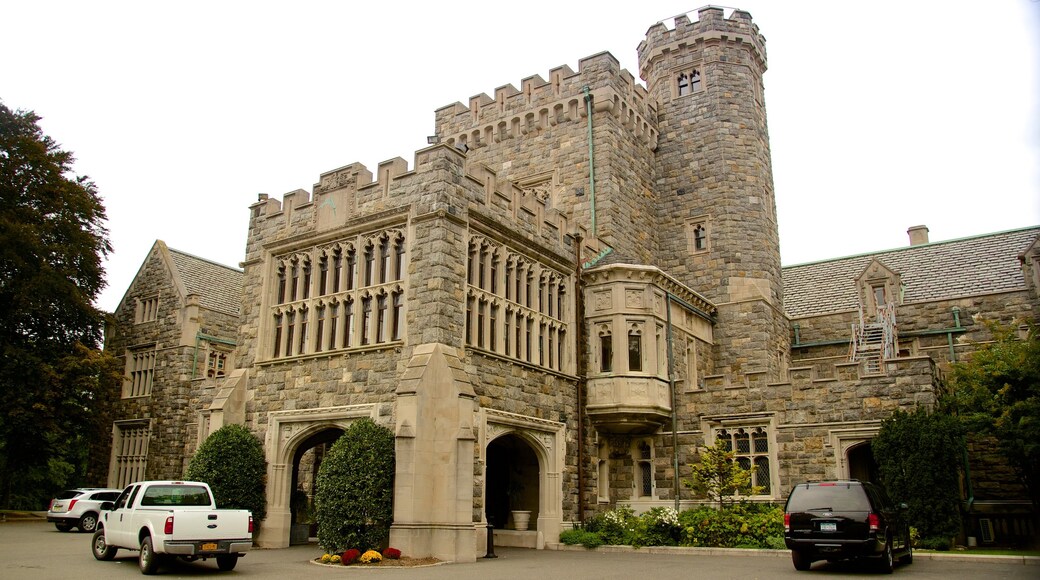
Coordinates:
column 219, row 287
column 935, row 271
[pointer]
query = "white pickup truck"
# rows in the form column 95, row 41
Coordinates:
column 171, row 518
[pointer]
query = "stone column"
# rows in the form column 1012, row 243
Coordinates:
column 433, row 485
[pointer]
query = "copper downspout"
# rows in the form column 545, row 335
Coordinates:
column 582, row 366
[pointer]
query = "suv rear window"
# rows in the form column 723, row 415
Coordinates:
column 835, row 498
column 68, row 494
column 105, row 496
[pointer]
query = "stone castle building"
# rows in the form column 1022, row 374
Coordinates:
column 566, row 295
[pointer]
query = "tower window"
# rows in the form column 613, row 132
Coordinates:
column 698, row 231
column 688, row 82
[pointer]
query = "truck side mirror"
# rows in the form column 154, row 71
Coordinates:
column 108, row 506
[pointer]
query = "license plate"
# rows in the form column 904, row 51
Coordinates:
column 57, row 506
column 828, row 526
column 209, row 547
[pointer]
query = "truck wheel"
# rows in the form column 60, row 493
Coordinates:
column 100, row 548
column 148, row 561
column 227, row 562
column 88, row 523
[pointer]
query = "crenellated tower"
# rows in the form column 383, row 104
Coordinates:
column 714, row 180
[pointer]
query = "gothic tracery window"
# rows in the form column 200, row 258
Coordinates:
column 514, row 306
column 315, row 291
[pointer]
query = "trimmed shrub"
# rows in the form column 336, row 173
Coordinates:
column 581, row 537
column 231, row 461
column 938, row 543
column 353, row 501
column 744, row 525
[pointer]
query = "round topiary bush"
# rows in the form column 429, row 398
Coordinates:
column 355, row 487
column 231, row 461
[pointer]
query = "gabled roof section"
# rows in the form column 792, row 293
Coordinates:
column 941, row 270
column 219, row 287
column 876, row 269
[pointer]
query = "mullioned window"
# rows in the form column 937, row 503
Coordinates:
column 515, row 306
column 342, row 295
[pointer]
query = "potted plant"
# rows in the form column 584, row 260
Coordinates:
column 521, row 518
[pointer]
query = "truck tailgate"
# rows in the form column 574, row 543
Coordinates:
column 208, row 524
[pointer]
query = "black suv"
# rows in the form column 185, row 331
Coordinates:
column 836, row 520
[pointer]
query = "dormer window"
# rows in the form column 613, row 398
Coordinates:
column 879, row 296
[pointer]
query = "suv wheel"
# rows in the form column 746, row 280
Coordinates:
column 62, row 527
column 908, row 558
column 886, row 563
column 88, row 523
column 800, row 560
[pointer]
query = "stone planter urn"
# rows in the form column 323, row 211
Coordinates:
column 521, row 520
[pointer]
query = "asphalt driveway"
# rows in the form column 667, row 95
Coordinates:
column 37, row 551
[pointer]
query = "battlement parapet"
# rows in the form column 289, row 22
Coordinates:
column 809, row 377
column 853, row 395
column 540, row 105
column 349, row 193
column 711, row 26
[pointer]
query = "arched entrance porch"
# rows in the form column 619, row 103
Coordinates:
column 290, row 434
column 852, row 454
column 525, row 456
column 512, row 483
column 305, row 465
column 860, row 459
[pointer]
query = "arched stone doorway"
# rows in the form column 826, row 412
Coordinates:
column 289, row 435
column 306, row 462
column 860, row 459
column 512, row 481
column 526, row 455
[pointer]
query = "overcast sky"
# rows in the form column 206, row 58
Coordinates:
column 882, row 115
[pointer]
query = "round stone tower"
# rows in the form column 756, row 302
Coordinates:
column 714, row 181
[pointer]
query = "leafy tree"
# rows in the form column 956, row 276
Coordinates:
column 52, row 378
column 355, row 487
column 231, row 461
column 719, row 476
column 997, row 392
column 918, row 455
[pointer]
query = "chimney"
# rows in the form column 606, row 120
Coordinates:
column 918, row 235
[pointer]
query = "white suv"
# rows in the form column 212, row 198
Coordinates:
column 79, row 508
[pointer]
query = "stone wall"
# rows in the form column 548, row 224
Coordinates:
column 803, row 415
column 923, row 328
column 539, row 140
column 179, row 387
